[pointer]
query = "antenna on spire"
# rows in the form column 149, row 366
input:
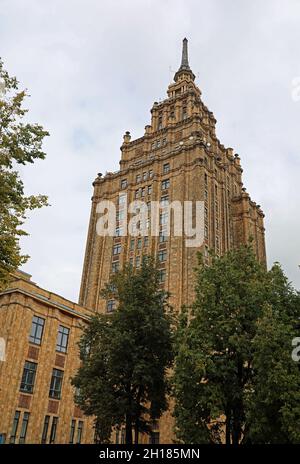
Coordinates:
column 185, row 58
column 184, row 67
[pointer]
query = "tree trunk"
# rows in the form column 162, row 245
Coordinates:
column 228, row 427
column 136, row 432
column 128, row 430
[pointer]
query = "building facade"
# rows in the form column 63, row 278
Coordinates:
column 40, row 354
column 178, row 159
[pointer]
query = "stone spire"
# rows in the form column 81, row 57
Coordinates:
column 184, row 67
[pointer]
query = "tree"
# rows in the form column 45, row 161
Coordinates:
column 20, row 143
column 126, row 355
column 233, row 368
column 273, row 409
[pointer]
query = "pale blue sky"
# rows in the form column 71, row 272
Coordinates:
column 94, row 68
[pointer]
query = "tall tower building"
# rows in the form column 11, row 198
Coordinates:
column 179, row 158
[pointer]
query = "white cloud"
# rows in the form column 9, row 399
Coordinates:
column 95, row 68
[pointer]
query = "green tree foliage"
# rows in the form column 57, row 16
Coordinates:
column 239, row 328
column 126, row 355
column 20, row 143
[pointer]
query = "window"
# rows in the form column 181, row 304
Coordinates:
column 139, row 243
column 72, row 431
column 62, row 339
column 162, row 275
column 2, row 438
column 145, row 176
column 160, row 122
column 115, row 267
column 137, row 193
column 118, row 231
column 184, row 113
column 132, row 244
column 138, row 261
column 28, row 377
column 123, row 183
column 164, row 201
column 24, row 427
column 15, row 427
column 53, row 430
column 149, row 189
column 162, row 255
column 165, row 184
column 79, row 431
column 150, row 174
column 122, row 199
column 45, row 429
column 163, row 218
column 206, row 232
column 154, row 438
column 158, row 144
column 56, row 384
column 146, row 241
column 143, row 192
column 131, row 262
column 37, row 328
column 138, row 178
column 110, row 306
column 166, row 168
column 117, row 249
column 162, row 236
column 164, row 142
column 120, row 215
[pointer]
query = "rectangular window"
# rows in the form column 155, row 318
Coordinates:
column 122, row 199
column 146, row 241
column 162, row 275
column 24, row 427
column 163, row 236
column 72, row 431
column 79, row 431
column 115, row 267
column 154, row 438
column 56, row 384
column 53, row 430
column 117, row 249
column 162, row 255
column 165, row 184
column 37, row 328
column 131, row 262
column 15, row 427
column 118, row 231
column 149, row 189
column 45, row 429
column 111, row 304
column 137, row 261
column 164, row 201
column 62, row 339
column 166, row 168
column 150, row 174
column 145, row 176
column 132, row 244
column 138, row 178
column 28, row 377
column 120, row 215
column 139, row 243
column 163, row 218
column 123, row 183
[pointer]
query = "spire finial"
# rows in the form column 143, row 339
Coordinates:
column 185, row 58
column 184, row 67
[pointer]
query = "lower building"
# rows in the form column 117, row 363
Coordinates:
column 39, row 334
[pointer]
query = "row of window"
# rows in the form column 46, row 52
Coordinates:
column 29, row 375
column 144, row 177
column 49, row 429
column 36, row 334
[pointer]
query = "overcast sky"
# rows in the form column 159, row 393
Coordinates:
column 94, row 68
